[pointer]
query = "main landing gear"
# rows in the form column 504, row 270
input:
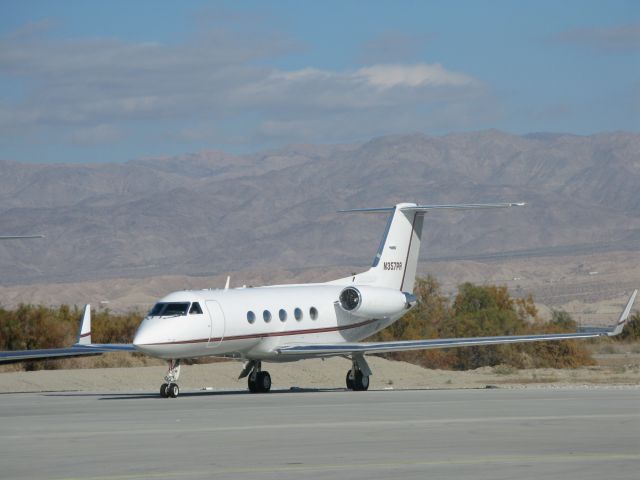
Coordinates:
column 358, row 376
column 170, row 389
column 257, row 380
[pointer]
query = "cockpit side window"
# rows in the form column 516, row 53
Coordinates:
column 157, row 309
column 195, row 309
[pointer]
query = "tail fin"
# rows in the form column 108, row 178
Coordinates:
column 84, row 334
column 396, row 261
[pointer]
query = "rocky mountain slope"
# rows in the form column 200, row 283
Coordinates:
column 210, row 212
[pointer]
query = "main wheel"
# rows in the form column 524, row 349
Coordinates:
column 251, row 382
column 163, row 391
column 360, row 382
column 263, row 381
column 349, row 380
column 173, row 390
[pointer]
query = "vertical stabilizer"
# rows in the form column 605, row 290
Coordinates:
column 396, row 261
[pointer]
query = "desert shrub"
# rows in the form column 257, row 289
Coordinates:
column 35, row 326
column 563, row 320
column 503, row 369
column 479, row 311
column 107, row 327
column 631, row 331
column 422, row 321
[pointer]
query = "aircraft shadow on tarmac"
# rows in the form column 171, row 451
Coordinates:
column 221, row 393
column 196, row 393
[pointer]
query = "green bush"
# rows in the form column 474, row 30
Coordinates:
column 631, row 331
column 107, row 327
column 479, row 311
column 35, row 326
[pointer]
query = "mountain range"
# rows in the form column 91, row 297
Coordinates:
column 210, row 212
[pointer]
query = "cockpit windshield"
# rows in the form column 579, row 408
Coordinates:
column 169, row 309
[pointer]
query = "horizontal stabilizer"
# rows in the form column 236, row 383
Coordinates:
column 18, row 237
column 426, row 208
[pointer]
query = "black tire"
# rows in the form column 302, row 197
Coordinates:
column 163, row 391
column 349, row 380
column 173, row 390
column 360, row 382
column 251, row 382
column 263, row 381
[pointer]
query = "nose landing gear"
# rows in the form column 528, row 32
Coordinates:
column 170, row 389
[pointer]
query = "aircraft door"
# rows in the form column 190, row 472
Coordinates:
column 217, row 323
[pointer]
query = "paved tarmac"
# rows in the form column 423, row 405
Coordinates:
column 590, row 433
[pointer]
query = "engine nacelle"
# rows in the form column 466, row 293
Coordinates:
column 374, row 302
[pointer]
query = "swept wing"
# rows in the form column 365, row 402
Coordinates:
column 82, row 348
column 332, row 349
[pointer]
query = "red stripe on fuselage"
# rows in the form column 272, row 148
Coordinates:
column 269, row 334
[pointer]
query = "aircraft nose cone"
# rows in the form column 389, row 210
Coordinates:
column 142, row 336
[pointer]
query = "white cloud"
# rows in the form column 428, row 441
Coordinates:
column 389, row 76
column 383, row 76
column 374, row 86
column 90, row 86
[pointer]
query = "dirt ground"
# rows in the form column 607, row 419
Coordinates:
column 617, row 365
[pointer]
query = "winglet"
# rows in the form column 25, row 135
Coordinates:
column 84, row 335
column 624, row 316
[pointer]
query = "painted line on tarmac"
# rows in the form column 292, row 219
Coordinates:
column 182, row 428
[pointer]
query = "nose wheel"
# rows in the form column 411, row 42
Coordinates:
column 170, row 389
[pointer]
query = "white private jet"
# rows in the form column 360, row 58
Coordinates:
column 284, row 323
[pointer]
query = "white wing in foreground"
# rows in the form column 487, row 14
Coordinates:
column 75, row 351
column 82, row 348
column 327, row 350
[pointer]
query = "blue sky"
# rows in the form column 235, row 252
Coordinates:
column 88, row 81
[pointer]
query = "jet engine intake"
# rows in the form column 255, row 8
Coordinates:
column 373, row 302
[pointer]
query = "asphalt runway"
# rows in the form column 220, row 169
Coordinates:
column 581, row 434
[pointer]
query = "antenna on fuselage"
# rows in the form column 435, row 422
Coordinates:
column 226, row 285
